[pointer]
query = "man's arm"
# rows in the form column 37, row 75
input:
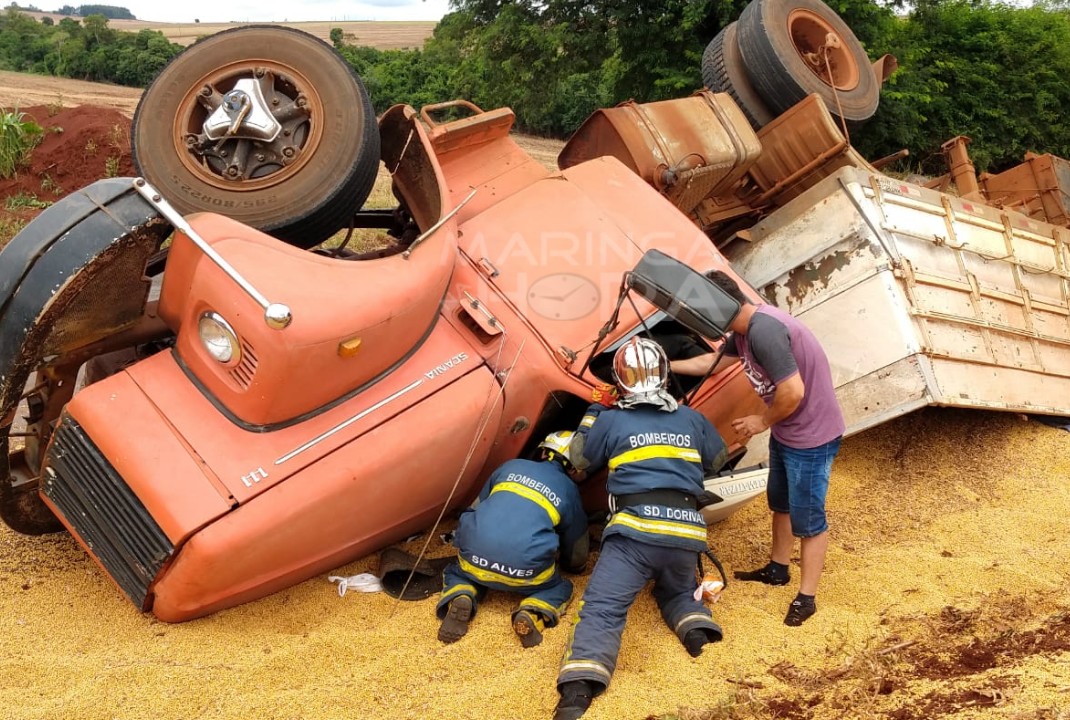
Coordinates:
column 789, row 393
column 701, row 364
column 770, row 343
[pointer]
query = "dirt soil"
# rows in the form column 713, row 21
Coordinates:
column 87, row 137
column 21, row 90
column 80, row 145
column 946, row 593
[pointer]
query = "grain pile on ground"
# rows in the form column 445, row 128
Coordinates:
column 946, row 595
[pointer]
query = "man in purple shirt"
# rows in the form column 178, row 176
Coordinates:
column 789, row 369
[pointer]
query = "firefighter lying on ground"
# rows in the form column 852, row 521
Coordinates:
column 528, row 517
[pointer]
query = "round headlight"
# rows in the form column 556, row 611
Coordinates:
column 219, row 338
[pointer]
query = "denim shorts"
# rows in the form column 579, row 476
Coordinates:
column 798, row 484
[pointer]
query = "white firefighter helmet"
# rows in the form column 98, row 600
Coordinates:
column 640, row 366
column 558, row 442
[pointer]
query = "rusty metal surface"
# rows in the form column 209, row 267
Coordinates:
column 84, row 282
column 920, row 297
column 688, row 148
column 801, row 147
column 1038, row 187
column 961, row 168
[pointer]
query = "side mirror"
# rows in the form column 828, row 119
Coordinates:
column 687, row 296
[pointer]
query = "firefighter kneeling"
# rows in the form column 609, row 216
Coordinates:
column 658, row 454
column 528, row 515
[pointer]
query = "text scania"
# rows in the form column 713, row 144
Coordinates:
column 444, row 367
column 653, row 438
column 535, row 485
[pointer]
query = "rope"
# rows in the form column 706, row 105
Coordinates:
column 836, row 94
column 468, row 458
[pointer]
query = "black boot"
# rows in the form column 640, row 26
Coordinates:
column 455, row 623
column 528, row 625
column 696, row 638
column 576, row 696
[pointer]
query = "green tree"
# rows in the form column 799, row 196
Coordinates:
column 108, row 11
column 89, row 50
column 993, row 72
column 23, row 41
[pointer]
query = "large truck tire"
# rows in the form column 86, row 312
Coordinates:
column 722, row 71
column 265, row 124
column 71, row 282
column 783, row 44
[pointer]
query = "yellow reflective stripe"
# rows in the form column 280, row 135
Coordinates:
column 541, row 606
column 661, row 527
column 533, row 495
column 690, row 617
column 457, row 589
column 587, row 421
column 572, row 633
column 488, row 576
column 655, row 451
column 591, row 665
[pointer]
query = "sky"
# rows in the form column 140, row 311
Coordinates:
column 274, row 10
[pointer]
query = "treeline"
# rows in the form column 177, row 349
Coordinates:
column 109, row 11
column 87, row 50
column 993, row 71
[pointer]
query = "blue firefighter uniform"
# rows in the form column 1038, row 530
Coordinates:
column 657, row 461
column 529, row 513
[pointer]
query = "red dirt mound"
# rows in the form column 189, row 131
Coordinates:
column 80, row 145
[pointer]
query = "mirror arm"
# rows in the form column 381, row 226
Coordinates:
column 609, row 325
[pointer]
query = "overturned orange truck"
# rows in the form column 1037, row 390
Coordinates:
column 216, row 414
column 217, row 404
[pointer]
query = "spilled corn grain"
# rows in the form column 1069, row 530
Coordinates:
column 946, row 524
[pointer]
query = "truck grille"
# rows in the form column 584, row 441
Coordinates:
column 104, row 512
column 246, row 368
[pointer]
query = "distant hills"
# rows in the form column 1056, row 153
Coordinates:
column 382, row 35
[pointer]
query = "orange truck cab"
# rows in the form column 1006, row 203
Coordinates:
column 278, row 413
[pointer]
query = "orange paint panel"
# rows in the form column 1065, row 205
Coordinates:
column 390, row 302
column 496, row 171
column 556, row 252
column 369, row 493
column 268, row 458
column 176, row 488
column 726, row 397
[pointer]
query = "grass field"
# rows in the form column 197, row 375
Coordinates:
column 384, row 35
